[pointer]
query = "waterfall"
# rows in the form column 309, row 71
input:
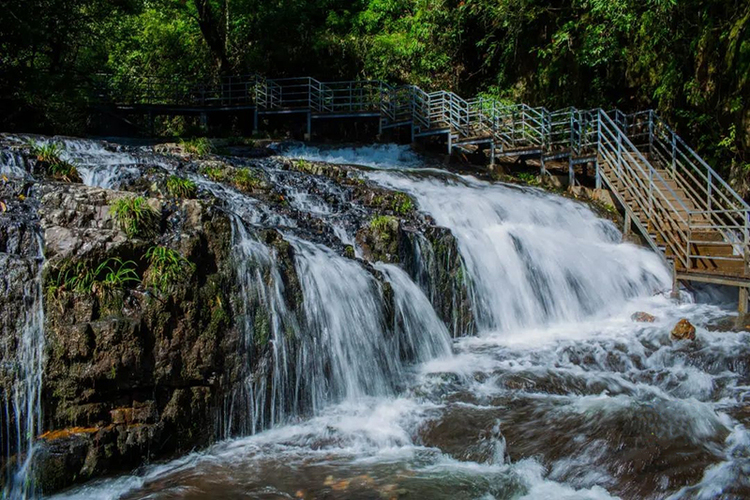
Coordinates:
column 533, row 258
column 22, row 403
column 354, row 388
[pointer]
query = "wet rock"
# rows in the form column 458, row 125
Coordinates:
column 466, row 434
column 683, row 330
column 643, row 317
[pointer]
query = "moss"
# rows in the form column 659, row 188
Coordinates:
column 383, row 223
column 402, row 204
column 349, row 252
column 261, row 329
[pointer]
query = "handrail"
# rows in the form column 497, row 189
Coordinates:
column 635, row 148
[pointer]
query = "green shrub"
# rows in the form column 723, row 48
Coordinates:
column 180, row 187
column 200, row 146
column 135, row 217
column 528, row 178
column 216, row 174
column 49, row 155
column 167, row 269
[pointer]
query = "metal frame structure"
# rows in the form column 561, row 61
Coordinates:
column 684, row 209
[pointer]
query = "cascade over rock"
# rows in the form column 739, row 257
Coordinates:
column 336, row 331
column 247, row 338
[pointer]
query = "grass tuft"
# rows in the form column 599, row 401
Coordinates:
column 135, row 217
column 50, row 155
column 199, row 146
column 180, row 187
column 167, row 269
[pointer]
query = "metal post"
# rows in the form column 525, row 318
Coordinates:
column 742, row 306
column 651, row 132
column 598, row 174
column 308, row 136
column 492, row 155
column 627, row 226
column 450, row 142
column 571, row 173
column 255, row 119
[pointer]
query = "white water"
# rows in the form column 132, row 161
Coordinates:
column 533, row 258
column 561, row 395
column 24, row 397
column 99, row 163
column 386, row 156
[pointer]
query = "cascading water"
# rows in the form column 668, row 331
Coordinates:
column 559, row 395
column 541, row 248
column 21, row 418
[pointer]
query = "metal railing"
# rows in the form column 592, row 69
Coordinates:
column 651, row 169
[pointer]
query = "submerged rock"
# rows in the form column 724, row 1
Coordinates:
column 683, row 330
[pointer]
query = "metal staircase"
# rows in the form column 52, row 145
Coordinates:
column 686, row 212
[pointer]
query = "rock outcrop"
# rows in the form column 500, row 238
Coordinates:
column 683, row 330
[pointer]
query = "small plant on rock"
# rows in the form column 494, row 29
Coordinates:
column 528, row 178
column 109, row 276
column 167, row 269
column 50, row 156
column 245, row 179
column 216, row 174
column 199, row 146
column 402, row 204
column 383, row 223
column 180, row 187
column 135, row 217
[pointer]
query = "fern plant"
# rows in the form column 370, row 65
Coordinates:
column 135, row 217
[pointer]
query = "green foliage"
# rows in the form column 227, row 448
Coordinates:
column 50, row 155
column 199, row 146
column 180, row 187
column 108, row 277
column 383, row 223
column 246, row 180
column 136, row 217
column 689, row 59
column 167, row 270
column 402, row 204
column 529, row 178
column 216, row 174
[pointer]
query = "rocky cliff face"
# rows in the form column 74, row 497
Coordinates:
column 158, row 332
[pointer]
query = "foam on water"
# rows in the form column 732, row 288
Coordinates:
column 377, row 156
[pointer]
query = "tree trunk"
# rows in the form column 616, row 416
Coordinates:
column 210, row 25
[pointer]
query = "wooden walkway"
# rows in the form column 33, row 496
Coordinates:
column 684, row 210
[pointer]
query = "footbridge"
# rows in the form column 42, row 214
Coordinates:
column 685, row 211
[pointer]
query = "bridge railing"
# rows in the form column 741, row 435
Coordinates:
column 646, row 188
column 639, row 146
column 718, row 206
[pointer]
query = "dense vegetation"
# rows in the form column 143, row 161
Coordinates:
column 689, row 58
